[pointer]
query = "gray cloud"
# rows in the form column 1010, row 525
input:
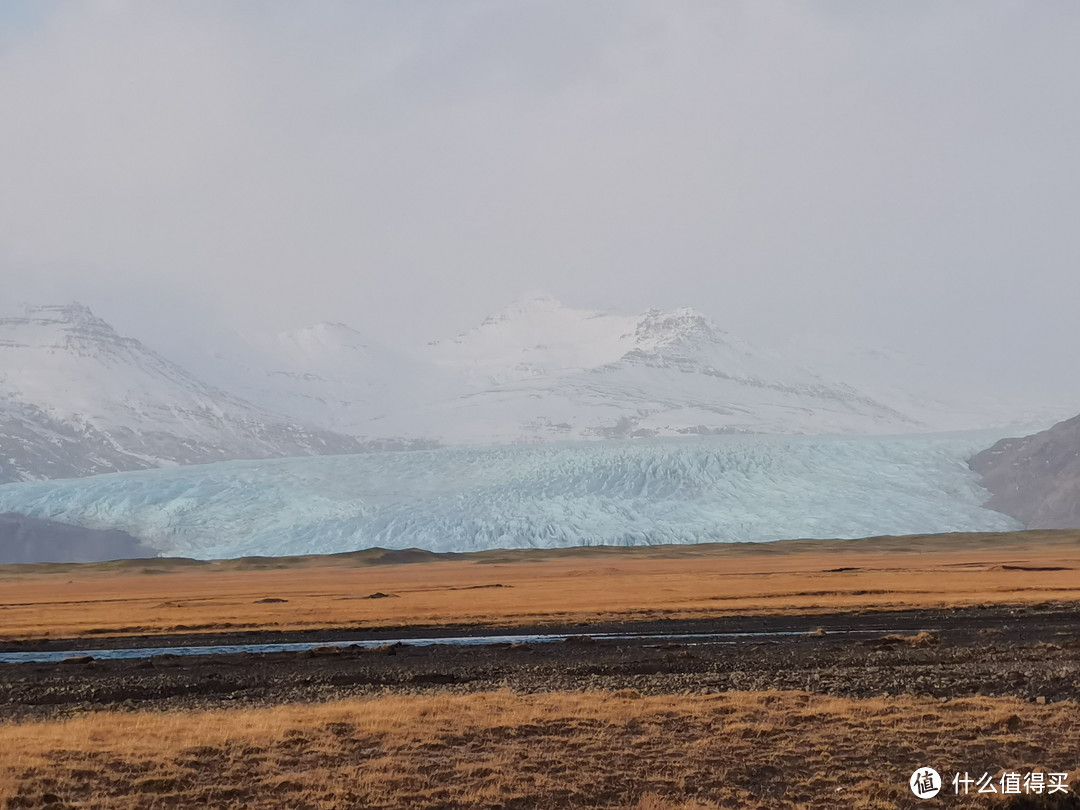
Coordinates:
column 896, row 173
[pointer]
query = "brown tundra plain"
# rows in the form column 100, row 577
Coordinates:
column 814, row 720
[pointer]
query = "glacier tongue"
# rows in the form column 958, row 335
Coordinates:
column 701, row 489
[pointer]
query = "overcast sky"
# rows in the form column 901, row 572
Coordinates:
column 896, row 173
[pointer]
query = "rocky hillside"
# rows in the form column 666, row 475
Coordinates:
column 1036, row 479
column 31, row 540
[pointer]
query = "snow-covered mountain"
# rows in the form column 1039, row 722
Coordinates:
column 76, row 398
column 331, row 375
column 940, row 398
column 540, row 370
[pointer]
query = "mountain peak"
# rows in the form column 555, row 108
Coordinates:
column 529, row 304
column 323, row 336
column 72, row 313
column 78, row 398
column 659, row 327
column 68, row 327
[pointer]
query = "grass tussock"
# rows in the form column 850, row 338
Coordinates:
column 924, row 638
column 560, row 750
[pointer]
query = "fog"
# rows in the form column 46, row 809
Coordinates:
column 900, row 174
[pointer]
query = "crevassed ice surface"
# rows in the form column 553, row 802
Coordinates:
column 692, row 490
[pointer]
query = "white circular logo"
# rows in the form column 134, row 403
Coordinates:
column 925, row 783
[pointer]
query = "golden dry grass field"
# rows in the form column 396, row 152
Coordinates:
column 559, row 750
column 537, row 587
column 546, row 751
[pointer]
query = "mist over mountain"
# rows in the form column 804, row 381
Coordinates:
column 541, row 370
column 318, row 192
column 77, row 398
column 328, row 374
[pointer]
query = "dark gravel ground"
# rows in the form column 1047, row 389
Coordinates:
column 1031, row 652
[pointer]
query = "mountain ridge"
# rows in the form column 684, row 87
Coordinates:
column 545, row 371
column 77, row 398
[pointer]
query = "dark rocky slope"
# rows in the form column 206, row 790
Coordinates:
column 31, row 540
column 1036, row 479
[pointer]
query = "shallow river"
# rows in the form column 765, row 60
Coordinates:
column 224, row 649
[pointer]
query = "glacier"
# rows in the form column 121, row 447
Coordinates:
column 647, row 491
